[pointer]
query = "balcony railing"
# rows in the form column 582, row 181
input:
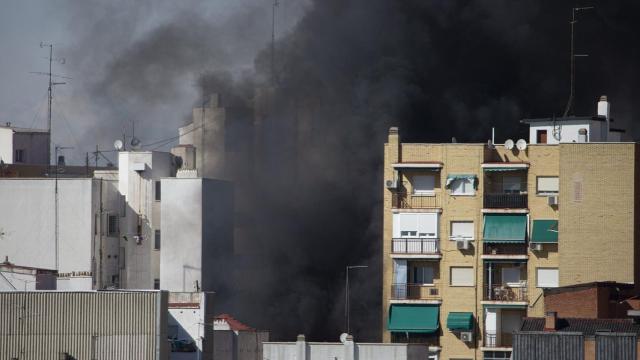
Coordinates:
column 491, row 339
column 505, row 201
column 504, row 249
column 404, row 200
column 414, row 292
column 502, row 292
column 415, row 246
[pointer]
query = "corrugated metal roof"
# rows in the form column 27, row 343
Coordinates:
column 616, row 346
column 588, row 327
column 86, row 325
column 548, row 346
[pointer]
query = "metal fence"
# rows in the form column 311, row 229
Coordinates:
column 414, row 292
column 502, row 292
column 404, row 200
column 505, row 201
column 415, row 246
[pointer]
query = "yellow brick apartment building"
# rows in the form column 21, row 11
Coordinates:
column 473, row 233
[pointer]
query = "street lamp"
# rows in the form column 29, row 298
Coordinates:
column 346, row 294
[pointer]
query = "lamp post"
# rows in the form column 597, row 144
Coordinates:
column 346, row 294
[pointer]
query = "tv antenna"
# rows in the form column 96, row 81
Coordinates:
column 276, row 3
column 52, row 83
column 569, row 108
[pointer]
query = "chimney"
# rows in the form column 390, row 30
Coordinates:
column 550, row 321
column 301, row 348
column 603, row 110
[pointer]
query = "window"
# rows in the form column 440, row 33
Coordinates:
column 412, row 225
column 462, row 276
column 158, row 190
column 497, row 355
column 156, row 284
column 548, row 185
column 123, row 206
column 547, row 277
column 511, row 184
column 19, row 156
column 541, row 137
column 157, row 240
column 462, row 187
column 511, row 276
column 423, row 184
column 461, row 230
column 112, row 225
column 422, row 274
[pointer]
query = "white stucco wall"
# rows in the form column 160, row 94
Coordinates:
column 27, row 216
column 190, row 320
column 6, row 145
column 348, row 351
column 197, row 233
column 138, row 187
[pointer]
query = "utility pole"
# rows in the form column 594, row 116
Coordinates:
column 569, row 108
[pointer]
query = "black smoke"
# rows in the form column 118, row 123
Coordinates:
column 346, row 72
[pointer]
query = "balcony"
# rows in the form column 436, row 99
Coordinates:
column 415, row 246
column 404, row 200
column 499, row 251
column 504, row 292
column 414, row 292
column 505, row 200
column 494, row 340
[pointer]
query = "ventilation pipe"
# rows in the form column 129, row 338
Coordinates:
column 603, row 110
column 582, row 135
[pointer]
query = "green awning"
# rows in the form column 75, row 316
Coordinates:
column 545, row 231
column 461, row 321
column 505, row 169
column 504, row 228
column 410, row 318
column 452, row 177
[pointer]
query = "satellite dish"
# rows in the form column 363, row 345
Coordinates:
column 521, row 145
column 508, row 144
column 135, row 143
column 118, row 144
column 343, row 337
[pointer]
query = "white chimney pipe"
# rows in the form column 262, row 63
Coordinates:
column 603, row 110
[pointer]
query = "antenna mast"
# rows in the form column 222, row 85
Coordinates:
column 569, row 108
column 276, row 3
column 52, row 83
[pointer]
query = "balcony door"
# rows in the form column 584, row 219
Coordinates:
column 511, row 184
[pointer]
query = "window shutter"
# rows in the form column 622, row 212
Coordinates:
column 462, row 276
column 547, row 277
column 548, row 184
column 462, row 229
column 423, row 183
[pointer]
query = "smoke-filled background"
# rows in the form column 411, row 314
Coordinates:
column 350, row 68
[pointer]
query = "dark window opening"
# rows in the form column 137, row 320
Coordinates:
column 541, row 137
column 157, row 240
column 158, row 190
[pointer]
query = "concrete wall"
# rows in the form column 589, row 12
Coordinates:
column 85, row 325
column 138, row 187
column 27, row 216
column 35, row 146
column 6, row 145
column 302, row 350
column 191, row 314
column 197, row 232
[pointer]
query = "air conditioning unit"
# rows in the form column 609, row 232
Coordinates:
column 535, row 247
column 466, row 336
column 462, row 244
column 391, row 184
column 552, row 200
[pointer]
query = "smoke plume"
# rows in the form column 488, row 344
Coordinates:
column 344, row 72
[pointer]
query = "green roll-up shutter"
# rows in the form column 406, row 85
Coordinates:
column 460, row 321
column 545, row 231
column 504, row 228
column 413, row 318
column 452, row 177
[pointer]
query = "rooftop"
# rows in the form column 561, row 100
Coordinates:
column 587, row 327
column 234, row 324
column 567, row 118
